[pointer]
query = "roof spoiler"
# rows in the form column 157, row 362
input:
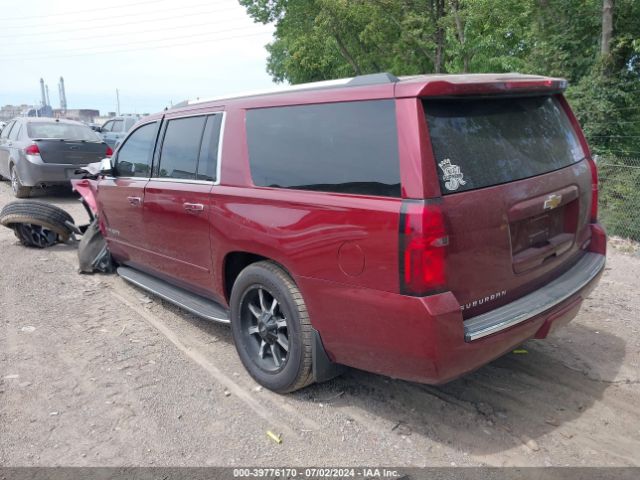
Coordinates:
column 512, row 86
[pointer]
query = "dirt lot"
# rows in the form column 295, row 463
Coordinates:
column 95, row 372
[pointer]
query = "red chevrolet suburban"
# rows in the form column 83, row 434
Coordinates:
column 417, row 227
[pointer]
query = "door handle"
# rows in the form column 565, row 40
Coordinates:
column 134, row 201
column 193, row 207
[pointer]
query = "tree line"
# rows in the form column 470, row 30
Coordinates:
column 595, row 44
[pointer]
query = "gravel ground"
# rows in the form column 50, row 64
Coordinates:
column 95, row 372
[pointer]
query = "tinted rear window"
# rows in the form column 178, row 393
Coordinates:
column 482, row 142
column 66, row 131
column 348, row 147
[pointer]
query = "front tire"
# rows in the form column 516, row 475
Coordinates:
column 19, row 190
column 271, row 328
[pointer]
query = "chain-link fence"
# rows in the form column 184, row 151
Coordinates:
column 619, row 195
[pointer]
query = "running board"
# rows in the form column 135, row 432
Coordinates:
column 200, row 306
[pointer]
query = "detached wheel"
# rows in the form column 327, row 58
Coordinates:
column 271, row 328
column 36, row 224
column 19, row 190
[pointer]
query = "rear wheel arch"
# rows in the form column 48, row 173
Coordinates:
column 19, row 190
column 235, row 262
column 322, row 367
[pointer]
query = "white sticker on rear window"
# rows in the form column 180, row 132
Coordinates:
column 451, row 175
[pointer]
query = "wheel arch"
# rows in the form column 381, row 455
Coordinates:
column 323, row 368
column 236, row 261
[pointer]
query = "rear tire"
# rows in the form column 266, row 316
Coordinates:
column 271, row 328
column 19, row 190
column 35, row 223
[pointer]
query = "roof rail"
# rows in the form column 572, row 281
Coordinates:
column 359, row 81
column 373, row 79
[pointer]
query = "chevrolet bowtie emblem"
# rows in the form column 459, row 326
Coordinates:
column 552, row 202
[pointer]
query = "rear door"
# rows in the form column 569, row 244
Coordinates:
column 516, row 193
column 178, row 200
column 121, row 197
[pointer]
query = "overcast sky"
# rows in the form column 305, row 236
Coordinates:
column 154, row 52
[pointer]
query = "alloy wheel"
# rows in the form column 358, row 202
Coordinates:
column 265, row 327
column 40, row 236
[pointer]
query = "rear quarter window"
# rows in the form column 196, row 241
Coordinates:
column 181, row 147
column 348, row 147
column 483, row 142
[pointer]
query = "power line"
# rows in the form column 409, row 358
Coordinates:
column 79, row 50
column 137, row 22
column 111, row 35
column 156, row 47
column 79, row 11
column 116, row 17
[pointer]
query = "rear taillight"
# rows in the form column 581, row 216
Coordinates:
column 423, row 242
column 32, row 149
column 109, row 152
column 594, row 190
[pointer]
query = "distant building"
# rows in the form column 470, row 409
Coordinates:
column 87, row 115
column 10, row 111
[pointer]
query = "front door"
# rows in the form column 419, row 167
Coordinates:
column 178, row 199
column 121, row 197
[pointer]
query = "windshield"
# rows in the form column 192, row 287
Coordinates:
column 66, row 131
column 483, row 142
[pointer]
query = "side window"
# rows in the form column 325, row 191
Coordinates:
column 134, row 156
column 117, row 126
column 346, row 147
column 6, row 130
column 128, row 123
column 15, row 131
column 107, row 126
column 181, row 148
column 208, row 163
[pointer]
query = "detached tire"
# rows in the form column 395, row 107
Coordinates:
column 271, row 328
column 35, row 223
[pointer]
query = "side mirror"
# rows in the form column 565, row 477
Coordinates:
column 106, row 167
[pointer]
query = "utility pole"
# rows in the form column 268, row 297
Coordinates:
column 117, row 101
column 607, row 27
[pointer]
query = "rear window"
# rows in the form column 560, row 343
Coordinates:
column 483, row 142
column 348, row 147
column 66, row 131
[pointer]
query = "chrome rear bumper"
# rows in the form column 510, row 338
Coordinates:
column 543, row 299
